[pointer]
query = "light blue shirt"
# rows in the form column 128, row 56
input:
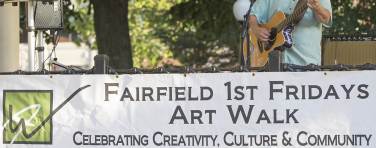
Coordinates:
column 307, row 35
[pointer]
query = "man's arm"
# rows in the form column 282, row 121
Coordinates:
column 321, row 14
column 260, row 32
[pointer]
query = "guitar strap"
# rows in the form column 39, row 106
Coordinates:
column 300, row 9
column 300, row 4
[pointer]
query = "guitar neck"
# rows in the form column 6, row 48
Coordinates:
column 296, row 16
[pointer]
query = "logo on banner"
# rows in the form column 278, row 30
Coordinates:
column 27, row 116
column 24, row 113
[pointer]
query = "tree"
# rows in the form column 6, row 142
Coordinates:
column 145, row 17
column 112, row 31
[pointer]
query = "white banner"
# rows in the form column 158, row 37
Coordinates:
column 312, row 109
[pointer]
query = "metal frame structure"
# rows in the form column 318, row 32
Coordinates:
column 32, row 33
column 367, row 36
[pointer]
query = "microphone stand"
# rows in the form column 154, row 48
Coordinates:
column 245, row 53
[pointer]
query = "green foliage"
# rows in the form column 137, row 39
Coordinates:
column 351, row 16
column 146, row 17
column 78, row 19
column 205, row 32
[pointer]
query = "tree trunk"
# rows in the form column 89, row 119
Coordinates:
column 112, row 31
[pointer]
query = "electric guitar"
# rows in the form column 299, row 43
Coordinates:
column 280, row 27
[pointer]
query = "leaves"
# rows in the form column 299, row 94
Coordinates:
column 146, row 17
column 78, row 19
column 350, row 16
column 205, row 32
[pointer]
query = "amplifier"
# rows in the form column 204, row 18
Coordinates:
column 48, row 14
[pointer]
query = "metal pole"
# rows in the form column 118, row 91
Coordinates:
column 40, row 49
column 9, row 37
column 31, row 35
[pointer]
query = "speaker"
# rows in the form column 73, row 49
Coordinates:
column 48, row 14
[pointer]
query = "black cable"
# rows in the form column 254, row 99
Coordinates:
column 111, row 70
column 35, row 9
column 55, row 42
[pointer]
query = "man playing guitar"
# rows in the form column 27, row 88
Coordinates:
column 307, row 33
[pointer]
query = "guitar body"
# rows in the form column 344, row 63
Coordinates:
column 261, row 50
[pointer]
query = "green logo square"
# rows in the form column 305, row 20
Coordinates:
column 27, row 116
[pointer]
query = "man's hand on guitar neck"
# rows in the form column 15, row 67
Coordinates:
column 261, row 33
